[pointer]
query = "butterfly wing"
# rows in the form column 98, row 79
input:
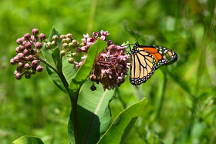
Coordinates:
column 162, row 55
column 146, row 59
column 168, row 56
column 142, row 67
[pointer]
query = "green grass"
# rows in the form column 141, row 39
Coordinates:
column 182, row 102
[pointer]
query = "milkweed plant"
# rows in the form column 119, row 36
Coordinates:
column 88, row 71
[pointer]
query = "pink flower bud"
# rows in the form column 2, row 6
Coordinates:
column 27, row 45
column 25, row 52
column 18, row 75
column 20, row 40
column 21, row 48
column 38, row 45
column 39, row 68
column 33, row 38
column 12, row 61
column 27, row 66
column 16, row 59
column 27, row 36
column 35, row 62
column 30, row 58
column 42, row 36
column 35, row 31
column 18, row 49
column 20, row 55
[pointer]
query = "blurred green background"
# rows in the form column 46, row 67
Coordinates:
column 182, row 97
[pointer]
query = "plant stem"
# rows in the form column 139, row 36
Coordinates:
column 46, row 63
column 73, row 98
column 73, row 114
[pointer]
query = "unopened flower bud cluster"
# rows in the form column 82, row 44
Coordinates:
column 27, row 54
column 68, row 46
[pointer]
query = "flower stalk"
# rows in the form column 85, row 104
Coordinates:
column 73, row 98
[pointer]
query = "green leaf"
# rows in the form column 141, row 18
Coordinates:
column 28, row 140
column 89, row 127
column 52, row 57
column 117, row 129
column 57, row 59
column 47, row 54
column 67, row 69
column 93, row 113
column 82, row 74
column 127, row 130
column 55, row 78
column 96, row 102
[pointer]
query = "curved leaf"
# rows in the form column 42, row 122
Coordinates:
column 96, row 102
column 67, row 69
column 55, row 78
column 117, row 129
column 83, row 72
column 28, row 140
column 48, row 53
column 93, row 113
column 52, row 57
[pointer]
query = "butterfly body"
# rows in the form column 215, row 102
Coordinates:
column 145, row 59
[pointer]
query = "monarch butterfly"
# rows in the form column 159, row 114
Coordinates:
column 145, row 59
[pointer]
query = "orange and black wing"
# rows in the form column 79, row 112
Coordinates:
column 146, row 59
column 162, row 55
column 142, row 67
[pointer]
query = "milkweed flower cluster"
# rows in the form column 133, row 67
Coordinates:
column 87, row 41
column 110, row 66
column 27, row 51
